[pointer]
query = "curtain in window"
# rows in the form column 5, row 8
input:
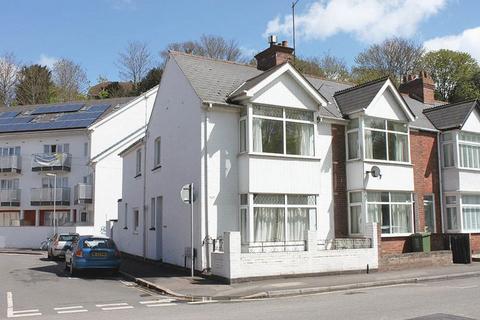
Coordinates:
column 368, row 144
column 352, row 145
column 299, row 139
column 9, row 219
column 355, row 216
column 470, row 156
column 374, row 212
column 452, row 219
column 471, row 218
column 398, row 147
column 257, row 135
column 297, row 223
column 269, row 224
column 400, row 214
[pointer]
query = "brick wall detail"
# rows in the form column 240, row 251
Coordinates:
column 339, row 173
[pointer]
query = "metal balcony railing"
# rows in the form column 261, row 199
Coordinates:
column 11, row 163
column 10, row 197
column 46, row 196
column 52, row 161
column 82, row 193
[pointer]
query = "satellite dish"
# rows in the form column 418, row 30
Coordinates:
column 375, row 172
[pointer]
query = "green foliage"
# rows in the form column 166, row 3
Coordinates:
column 455, row 74
column 35, row 85
column 327, row 66
column 152, row 79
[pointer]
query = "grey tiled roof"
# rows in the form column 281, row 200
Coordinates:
column 252, row 82
column 451, row 116
column 359, row 97
column 214, row 80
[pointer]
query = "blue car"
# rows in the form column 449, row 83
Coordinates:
column 90, row 252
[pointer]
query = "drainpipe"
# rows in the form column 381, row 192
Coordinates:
column 205, row 168
column 145, row 183
column 440, row 188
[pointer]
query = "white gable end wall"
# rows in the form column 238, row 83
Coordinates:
column 285, row 91
column 387, row 107
column 473, row 122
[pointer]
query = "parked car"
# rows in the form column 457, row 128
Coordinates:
column 90, row 252
column 56, row 244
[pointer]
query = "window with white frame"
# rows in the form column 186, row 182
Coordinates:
column 429, row 212
column 153, row 214
column 469, row 150
column 448, row 155
column 392, row 210
column 10, row 219
column 471, row 213
column 49, row 182
column 386, row 140
column 244, row 218
column 9, row 184
column 56, row 148
column 243, row 134
column 138, row 166
column 355, row 210
column 283, row 217
column 125, row 220
column 136, row 220
column 283, row 131
column 157, row 153
column 9, row 151
column 452, row 214
column 352, row 140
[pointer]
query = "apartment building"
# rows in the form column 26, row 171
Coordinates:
column 59, row 165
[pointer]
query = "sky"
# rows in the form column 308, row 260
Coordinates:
column 93, row 32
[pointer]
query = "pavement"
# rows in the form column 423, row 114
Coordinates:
column 177, row 283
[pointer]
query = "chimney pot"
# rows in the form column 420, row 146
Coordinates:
column 284, row 43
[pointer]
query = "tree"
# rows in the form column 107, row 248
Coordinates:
column 134, row 62
column 35, row 85
column 70, row 80
column 327, row 66
column 152, row 79
column 9, row 74
column 454, row 74
column 210, row 46
column 393, row 57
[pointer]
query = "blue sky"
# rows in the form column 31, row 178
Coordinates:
column 93, row 32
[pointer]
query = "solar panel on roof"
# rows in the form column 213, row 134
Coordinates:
column 57, row 109
column 8, row 114
column 15, row 120
column 99, row 108
column 80, row 116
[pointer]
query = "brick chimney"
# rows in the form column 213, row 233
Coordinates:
column 274, row 55
column 421, row 87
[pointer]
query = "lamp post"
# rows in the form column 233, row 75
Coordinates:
column 55, row 226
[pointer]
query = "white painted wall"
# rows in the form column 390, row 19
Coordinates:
column 386, row 106
column 32, row 237
column 473, row 122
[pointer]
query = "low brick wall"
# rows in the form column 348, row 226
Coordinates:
column 475, row 242
column 414, row 260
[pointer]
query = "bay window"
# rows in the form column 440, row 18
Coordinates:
column 471, row 213
column 352, row 140
column 452, row 216
column 278, row 218
column 281, row 131
column 469, row 150
column 392, row 210
column 448, row 158
column 386, row 140
column 355, row 211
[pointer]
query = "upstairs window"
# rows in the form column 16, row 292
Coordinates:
column 157, row 153
column 283, row 131
column 352, row 140
column 9, row 151
column 386, row 140
column 469, row 150
column 448, row 155
column 56, row 148
column 138, row 168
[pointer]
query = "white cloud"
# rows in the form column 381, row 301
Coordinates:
column 368, row 20
column 467, row 41
column 47, row 61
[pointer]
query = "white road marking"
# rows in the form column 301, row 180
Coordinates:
column 111, row 305
column 68, row 308
column 117, row 308
column 202, row 302
column 19, row 313
column 156, row 301
column 72, row 311
column 161, row 305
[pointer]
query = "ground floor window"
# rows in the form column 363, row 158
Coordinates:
column 63, row 218
column 283, row 217
column 429, row 211
column 392, row 210
column 355, row 211
column 9, row 219
column 471, row 213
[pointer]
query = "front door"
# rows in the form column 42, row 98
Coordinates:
column 159, row 226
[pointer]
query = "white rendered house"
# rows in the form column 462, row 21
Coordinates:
column 63, row 158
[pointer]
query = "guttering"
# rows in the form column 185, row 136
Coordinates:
column 145, row 182
column 205, row 178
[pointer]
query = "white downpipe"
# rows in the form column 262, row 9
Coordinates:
column 439, row 156
column 205, row 168
column 145, row 183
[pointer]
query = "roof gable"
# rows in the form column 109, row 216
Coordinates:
column 451, row 116
column 371, row 97
column 253, row 86
column 472, row 123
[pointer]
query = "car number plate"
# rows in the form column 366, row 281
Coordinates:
column 99, row 254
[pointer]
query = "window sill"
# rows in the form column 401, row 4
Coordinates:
column 156, row 167
column 467, row 169
column 396, row 235
column 386, row 162
column 281, row 156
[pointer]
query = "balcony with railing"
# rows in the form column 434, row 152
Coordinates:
column 47, row 196
column 82, row 193
column 10, row 197
column 59, row 161
column 11, row 163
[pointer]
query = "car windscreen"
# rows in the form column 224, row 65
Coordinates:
column 67, row 237
column 95, row 243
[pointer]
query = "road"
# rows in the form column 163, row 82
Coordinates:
column 32, row 287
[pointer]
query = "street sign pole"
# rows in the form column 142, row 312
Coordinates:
column 191, row 231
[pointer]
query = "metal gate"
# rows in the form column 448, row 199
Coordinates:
column 460, row 245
